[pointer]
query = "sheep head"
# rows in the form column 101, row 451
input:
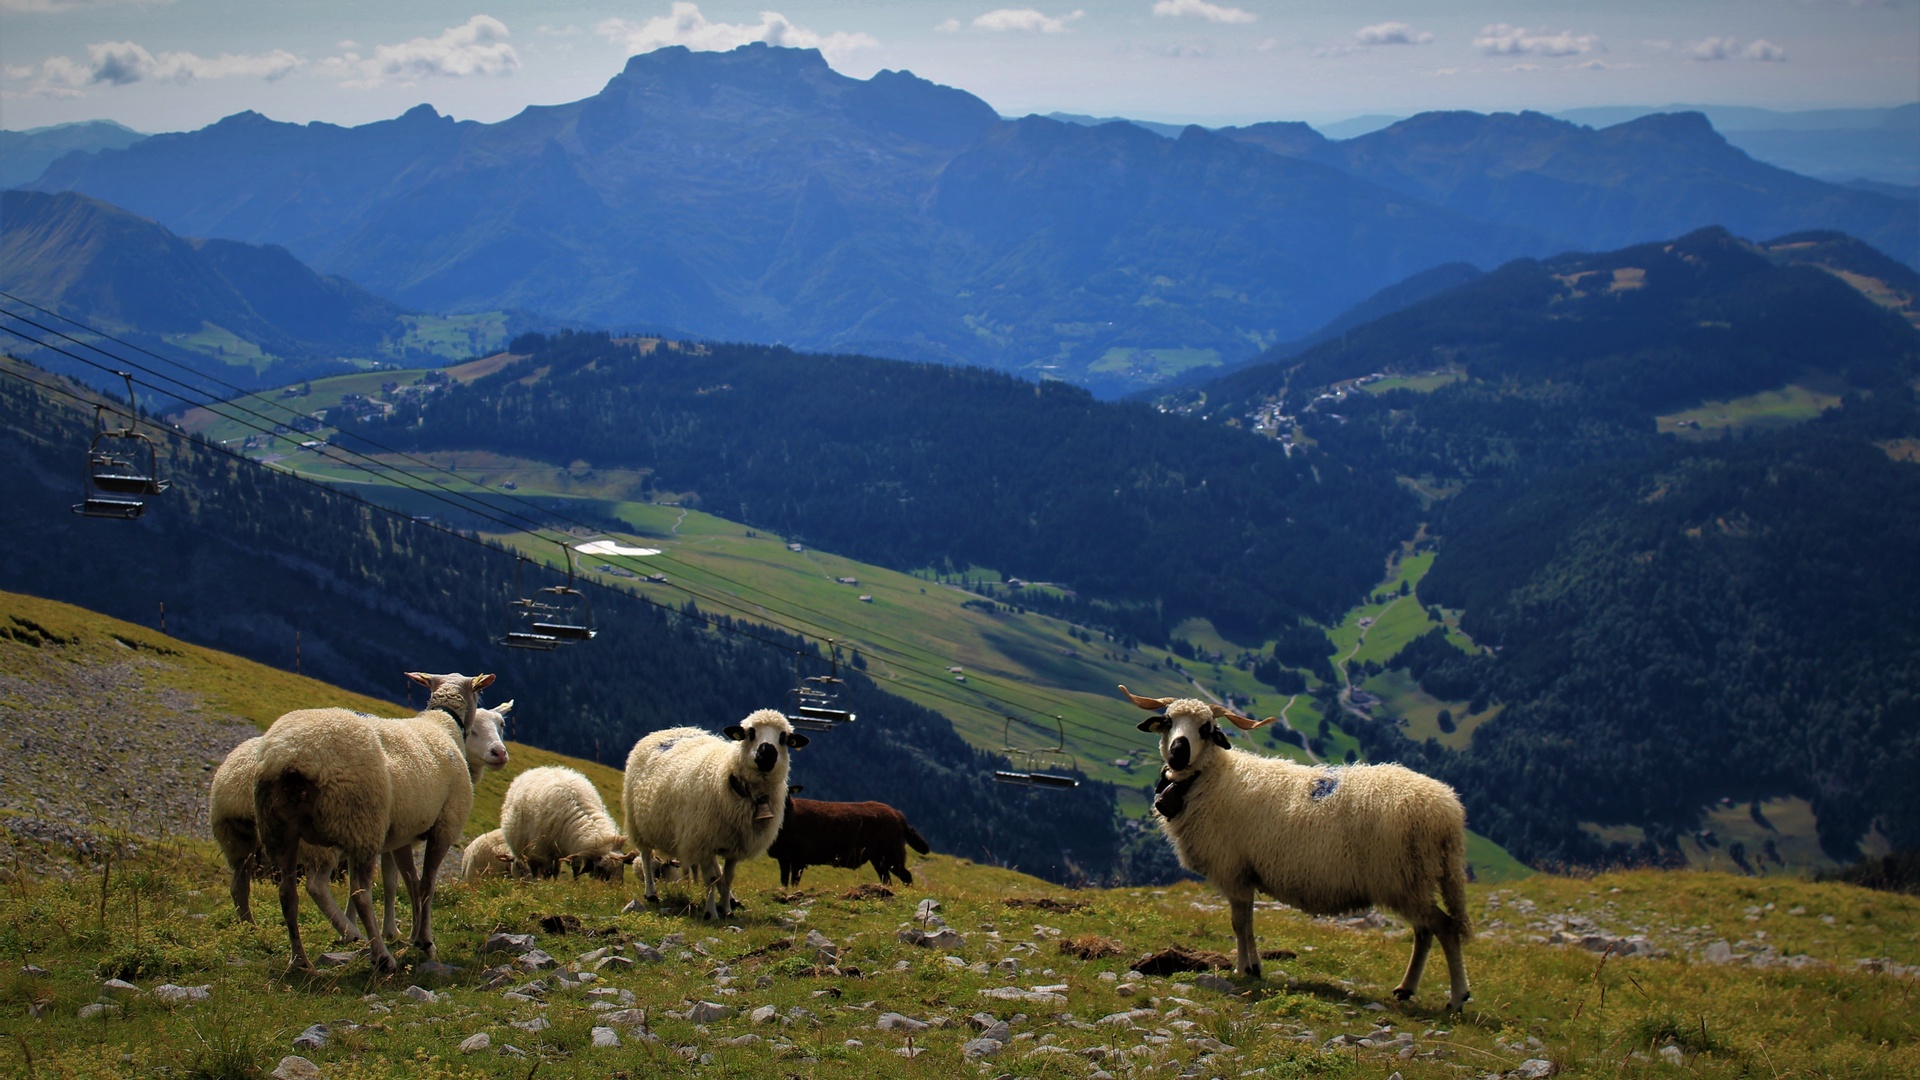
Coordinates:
column 486, row 744
column 1189, row 728
column 765, row 737
column 458, row 694
column 602, row 865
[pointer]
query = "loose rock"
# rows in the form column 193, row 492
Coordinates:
column 295, row 1067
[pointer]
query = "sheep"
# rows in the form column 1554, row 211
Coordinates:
column 695, row 795
column 487, row 855
column 1324, row 840
column 818, row 833
column 231, row 820
column 554, row 815
column 368, row 786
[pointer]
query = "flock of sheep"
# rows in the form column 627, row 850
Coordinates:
column 324, row 786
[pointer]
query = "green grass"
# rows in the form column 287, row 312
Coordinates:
column 1157, row 363
column 451, row 337
column 1767, row 410
column 223, row 345
column 1424, row 383
column 166, row 919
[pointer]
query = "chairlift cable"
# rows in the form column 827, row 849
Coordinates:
column 488, row 512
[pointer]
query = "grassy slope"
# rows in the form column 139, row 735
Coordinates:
column 1588, row 1016
column 911, row 633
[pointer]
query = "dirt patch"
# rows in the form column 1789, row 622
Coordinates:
column 1169, row 961
column 868, row 891
column 1046, row 903
column 793, row 897
column 1091, row 947
column 1278, row 954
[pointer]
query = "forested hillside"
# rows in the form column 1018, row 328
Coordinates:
column 245, row 559
column 1669, row 620
column 916, row 465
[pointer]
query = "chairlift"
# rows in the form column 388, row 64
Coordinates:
column 1048, row 767
column 123, row 465
column 816, row 698
column 551, row 616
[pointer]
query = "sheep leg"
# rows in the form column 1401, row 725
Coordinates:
column 360, row 882
column 710, row 871
column 403, row 860
column 242, row 889
column 1456, row 968
column 320, row 887
column 437, row 846
column 648, row 889
column 1246, row 950
column 288, row 863
column 389, row 878
column 1422, row 942
column 726, row 887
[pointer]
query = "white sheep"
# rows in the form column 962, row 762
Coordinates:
column 554, row 814
column 1324, row 840
column 487, row 855
column 230, row 814
column 368, row 786
column 699, row 797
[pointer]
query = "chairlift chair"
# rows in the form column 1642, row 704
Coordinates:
column 123, row 466
column 1048, row 767
column 551, row 616
column 816, row 698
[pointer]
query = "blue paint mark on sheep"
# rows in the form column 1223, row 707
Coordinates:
column 665, row 746
column 1323, row 786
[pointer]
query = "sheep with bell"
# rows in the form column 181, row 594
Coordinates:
column 1326, row 840
column 709, row 800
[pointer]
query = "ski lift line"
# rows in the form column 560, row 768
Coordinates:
column 904, row 660
column 901, row 657
column 390, row 511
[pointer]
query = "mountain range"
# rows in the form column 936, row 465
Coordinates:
column 759, row 195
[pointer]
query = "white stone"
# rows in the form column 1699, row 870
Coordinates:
column 475, row 1043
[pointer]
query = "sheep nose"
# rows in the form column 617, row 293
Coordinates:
column 1177, row 752
column 765, row 756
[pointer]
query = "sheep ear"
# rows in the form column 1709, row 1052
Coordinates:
column 792, row 788
column 420, row 677
column 481, row 682
column 734, row 732
column 1156, row 724
column 1219, row 739
column 503, row 856
column 797, row 740
column 503, row 708
column 629, row 856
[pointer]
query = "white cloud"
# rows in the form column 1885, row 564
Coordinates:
column 948, row 26
column 1027, row 19
column 1200, row 9
column 1392, row 33
column 685, row 25
column 1726, row 48
column 1324, row 51
column 1501, row 39
column 122, row 63
column 476, row 47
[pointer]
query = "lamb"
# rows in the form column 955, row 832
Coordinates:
column 819, row 833
column 554, row 814
column 696, row 796
column 232, row 823
column 487, row 855
column 1324, row 840
column 368, row 786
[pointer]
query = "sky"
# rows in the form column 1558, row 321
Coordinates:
column 173, row 65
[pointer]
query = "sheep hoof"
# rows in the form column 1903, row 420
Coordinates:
column 1253, row 970
column 1402, row 993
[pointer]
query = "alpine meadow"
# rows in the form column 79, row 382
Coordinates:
column 1161, row 539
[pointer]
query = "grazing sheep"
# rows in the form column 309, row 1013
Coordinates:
column 231, row 820
column 818, row 833
column 368, row 786
column 554, row 815
column 1325, row 840
column 488, row 855
column 696, row 796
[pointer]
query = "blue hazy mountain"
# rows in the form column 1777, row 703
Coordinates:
column 24, row 155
